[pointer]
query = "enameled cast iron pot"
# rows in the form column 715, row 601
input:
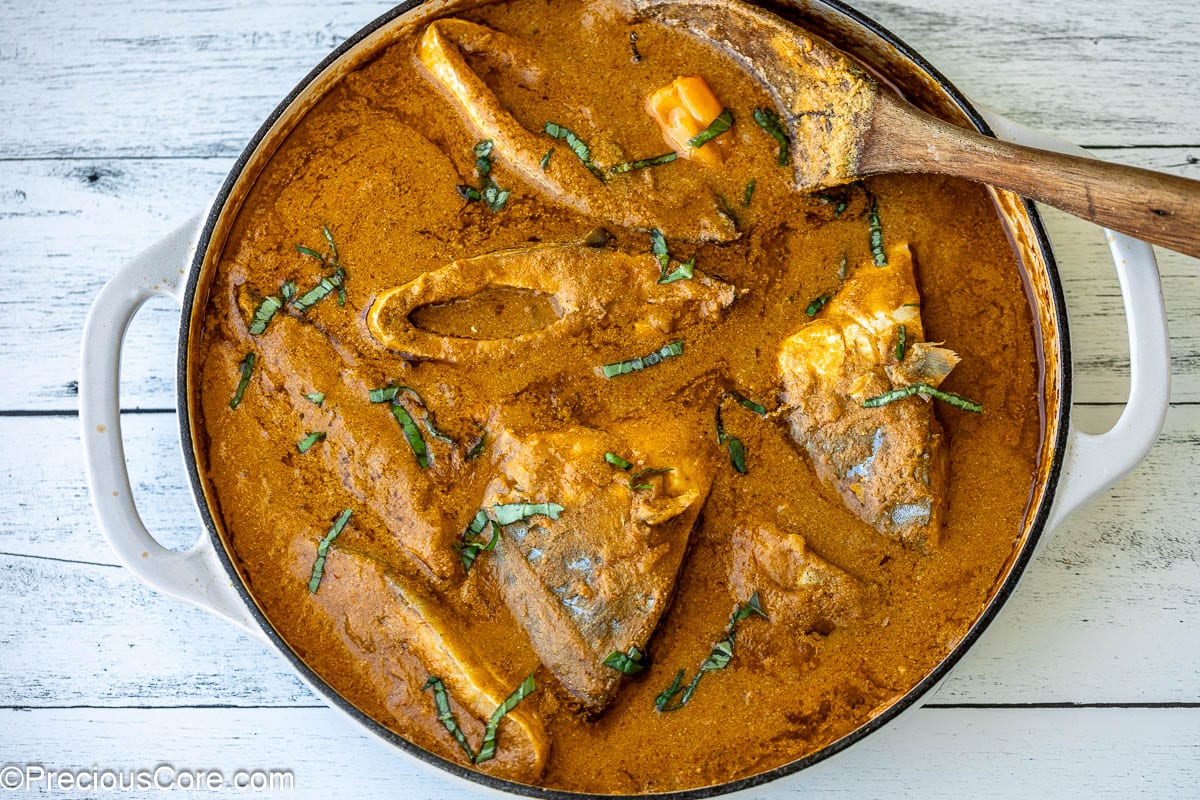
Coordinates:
column 1074, row 466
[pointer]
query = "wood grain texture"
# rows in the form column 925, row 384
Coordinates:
column 124, row 118
column 1108, row 609
column 1155, row 207
column 1114, row 754
column 162, row 78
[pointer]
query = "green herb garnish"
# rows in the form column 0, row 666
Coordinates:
column 924, row 390
column 323, row 549
column 412, row 434
column 876, row 235
column 901, row 342
column 315, row 397
column 487, row 750
column 442, row 703
column 634, row 481
column 489, row 192
column 305, row 444
column 618, row 462
column 737, row 454
column 471, row 545
column 658, row 248
column 718, row 658
column 745, row 402
column 263, row 314
column 840, row 204
column 770, row 122
column 816, row 305
column 628, row 663
column 546, row 159
column 748, row 195
column 722, row 123
column 642, row 163
column 244, row 381
column 508, row 513
column 671, row 350
column 577, row 145
column 327, row 285
column 477, row 448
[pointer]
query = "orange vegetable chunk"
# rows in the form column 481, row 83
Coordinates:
column 683, row 108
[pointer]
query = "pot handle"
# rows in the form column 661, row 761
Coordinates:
column 1094, row 463
column 196, row 574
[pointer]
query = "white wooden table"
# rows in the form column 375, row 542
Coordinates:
column 121, row 120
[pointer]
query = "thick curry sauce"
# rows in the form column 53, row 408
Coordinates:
column 513, row 407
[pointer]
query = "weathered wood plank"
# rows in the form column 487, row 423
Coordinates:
column 1108, row 611
column 155, row 77
column 66, row 226
column 939, row 754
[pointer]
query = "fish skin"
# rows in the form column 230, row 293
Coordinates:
column 887, row 464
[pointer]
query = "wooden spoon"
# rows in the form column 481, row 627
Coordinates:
column 844, row 126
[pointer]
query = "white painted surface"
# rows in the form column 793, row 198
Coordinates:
column 122, row 120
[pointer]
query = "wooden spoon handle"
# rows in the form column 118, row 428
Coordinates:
column 1158, row 208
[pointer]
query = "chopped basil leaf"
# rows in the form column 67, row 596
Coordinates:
column 617, row 461
column 305, row 444
column 923, row 389
column 412, row 434
column 508, row 513
column 685, row 271
column 642, row 163
column 323, row 289
column 477, row 448
column 308, row 251
column 263, row 314
column 658, row 246
column 487, row 750
column 577, row 145
column 628, row 663
column 323, row 549
column 840, row 204
column 816, row 305
column 442, row 703
column 722, row 123
column 745, row 402
column 876, row 235
column 635, row 56
column 633, row 482
column 748, row 195
column 315, row 397
column 901, row 342
column 911, row 305
column 489, row 192
column 288, row 291
column 737, row 453
column 753, row 606
column 244, row 381
column 471, row 547
column 718, row 658
column 675, row 348
column 770, row 122
column 664, row 697
column 329, row 238
column 546, row 159
column 383, row 394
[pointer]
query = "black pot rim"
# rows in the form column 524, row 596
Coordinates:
column 908, row 700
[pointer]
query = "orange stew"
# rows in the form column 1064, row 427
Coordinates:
column 519, row 438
